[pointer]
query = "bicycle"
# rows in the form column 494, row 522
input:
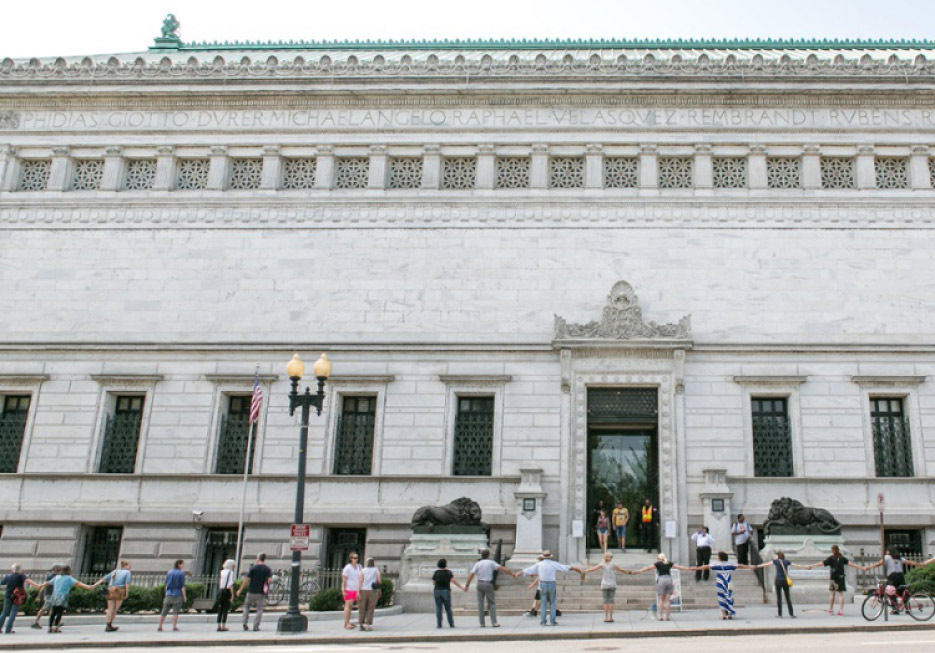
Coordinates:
column 280, row 586
column 918, row 605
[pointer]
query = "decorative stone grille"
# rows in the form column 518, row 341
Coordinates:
column 512, row 172
column 621, row 172
column 837, row 172
column 405, row 172
column 88, row 174
column 121, row 438
column 35, row 175
column 892, row 172
column 12, row 428
column 783, row 172
column 615, row 404
column 352, row 172
column 675, row 172
column 245, row 174
column 729, row 171
column 140, row 174
column 932, row 171
column 192, row 174
column 232, row 443
column 473, row 437
column 772, row 437
column 299, row 173
column 566, row 172
column 459, row 173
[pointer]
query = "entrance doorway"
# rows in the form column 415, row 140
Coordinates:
column 623, row 463
column 341, row 543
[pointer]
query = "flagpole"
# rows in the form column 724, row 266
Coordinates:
column 247, row 459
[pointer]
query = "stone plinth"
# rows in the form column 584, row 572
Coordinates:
column 808, row 585
column 420, row 560
column 529, row 499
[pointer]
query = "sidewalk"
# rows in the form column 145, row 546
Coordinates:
column 411, row 627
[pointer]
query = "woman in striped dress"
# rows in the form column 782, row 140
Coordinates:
column 725, row 594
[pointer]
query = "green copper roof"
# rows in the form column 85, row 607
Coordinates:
column 172, row 43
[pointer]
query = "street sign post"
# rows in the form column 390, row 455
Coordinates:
column 880, row 504
column 299, row 536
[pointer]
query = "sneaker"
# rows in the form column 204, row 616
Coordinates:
column 494, row 625
column 256, row 629
column 36, row 626
column 246, row 627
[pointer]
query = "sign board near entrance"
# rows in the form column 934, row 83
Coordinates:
column 299, row 536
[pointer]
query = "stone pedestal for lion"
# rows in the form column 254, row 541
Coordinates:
column 454, row 532
column 805, row 536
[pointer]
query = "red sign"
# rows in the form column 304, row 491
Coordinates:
column 299, row 536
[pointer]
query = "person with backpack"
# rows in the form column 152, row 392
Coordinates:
column 14, row 597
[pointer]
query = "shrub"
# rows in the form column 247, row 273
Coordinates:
column 386, row 593
column 140, row 599
column 922, row 579
column 326, row 600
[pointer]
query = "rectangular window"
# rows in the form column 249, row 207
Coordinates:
column 234, row 436
column 12, row 427
column 892, row 447
column 220, row 545
column 122, row 436
column 473, row 436
column 772, row 436
column 907, row 541
column 101, row 549
column 354, row 436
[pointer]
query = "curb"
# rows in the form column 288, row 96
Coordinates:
column 551, row 634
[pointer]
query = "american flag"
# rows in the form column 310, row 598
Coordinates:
column 257, row 401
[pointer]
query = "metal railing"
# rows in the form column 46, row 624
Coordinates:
column 867, row 580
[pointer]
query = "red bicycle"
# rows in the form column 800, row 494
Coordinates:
column 917, row 605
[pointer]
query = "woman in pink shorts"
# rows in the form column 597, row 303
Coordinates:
column 350, row 586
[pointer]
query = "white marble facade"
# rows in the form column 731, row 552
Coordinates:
column 425, row 280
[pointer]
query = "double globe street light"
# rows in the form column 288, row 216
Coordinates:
column 294, row 621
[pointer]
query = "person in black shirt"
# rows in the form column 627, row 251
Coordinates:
column 443, row 579
column 14, row 597
column 257, row 587
column 838, row 565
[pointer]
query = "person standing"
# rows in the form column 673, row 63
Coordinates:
column 442, row 579
column 608, row 584
column 742, row 531
column 546, row 570
column 703, row 543
column 664, row 584
column 782, row 581
column 117, row 592
column 45, row 595
column 484, row 570
column 837, row 565
column 225, row 592
column 620, row 517
column 647, row 525
column 350, row 588
column 257, row 587
column 175, row 595
column 14, row 597
column 603, row 530
column 58, row 602
column 370, row 589
column 722, row 584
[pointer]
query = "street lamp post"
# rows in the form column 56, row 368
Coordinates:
column 294, row 621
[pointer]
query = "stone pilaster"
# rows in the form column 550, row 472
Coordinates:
column 756, row 167
column 431, row 166
column 324, row 167
column 9, row 168
column 649, row 167
column 539, row 166
column 716, row 499
column 165, row 168
column 61, row 168
column 272, row 168
column 703, row 167
column 593, row 166
column 114, row 166
column 218, row 171
column 866, row 171
column 920, row 177
column 378, row 161
column 486, row 166
column 811, row 167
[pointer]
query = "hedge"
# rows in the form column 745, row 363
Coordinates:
column 140, row 599
column 922, row 579
column 331, row 599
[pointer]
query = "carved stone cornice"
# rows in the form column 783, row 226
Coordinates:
column 768, row 380
column 240, row 379
column 890, row 381
column 621, row 319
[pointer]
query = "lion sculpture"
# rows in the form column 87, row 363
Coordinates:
column 789, row 517
column 461, row 515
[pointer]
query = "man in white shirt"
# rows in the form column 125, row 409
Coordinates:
column 742, row 533
column 703, row 544
column 484, row 569
column 546, row 569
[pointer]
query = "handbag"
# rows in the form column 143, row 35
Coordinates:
column 18, row 596
column 116, row 593
column 788, row 580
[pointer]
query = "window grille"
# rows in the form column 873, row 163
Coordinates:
column 566, row 172
column 837, row 172
column 892, row 172
column 101, row 550
column 233, row 437
column 473, row 436
column 675, row 172
column 729, row 171
column 621, row 172
column 932, row 171
column 352, row 172
column 772, row 437
column 354, row 436
column 35, row 175
column 140, row 174
column 12, row 428
column 892, row 446
column 614, row 405
column 783, row 172
column 459, row 173
column 220, row 545
column 87, row 174
column 405, row 172
column 299, row 173
column 122, row 436
column 192, row 174
column 245, row 174
column 512, row 172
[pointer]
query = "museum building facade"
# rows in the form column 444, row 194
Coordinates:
column 548, row 274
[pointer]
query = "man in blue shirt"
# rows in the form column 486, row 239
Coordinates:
column 175, row 595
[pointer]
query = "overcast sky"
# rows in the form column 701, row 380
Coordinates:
column 69, row 27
